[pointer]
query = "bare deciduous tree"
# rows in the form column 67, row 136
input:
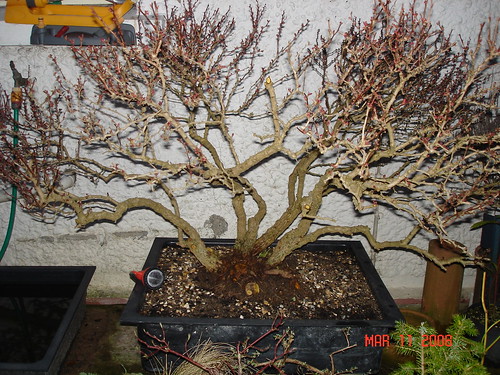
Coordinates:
column 385, row 113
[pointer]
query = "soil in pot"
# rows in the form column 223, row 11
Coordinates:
column 475, row 313
column 308, row 285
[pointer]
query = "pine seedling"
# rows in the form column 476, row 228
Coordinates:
column 452, row 353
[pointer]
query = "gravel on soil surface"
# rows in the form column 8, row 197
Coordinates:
column 307, row 285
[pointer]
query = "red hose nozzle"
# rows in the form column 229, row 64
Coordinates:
column 151, row 278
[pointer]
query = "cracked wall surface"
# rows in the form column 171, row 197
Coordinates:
column 119, row 248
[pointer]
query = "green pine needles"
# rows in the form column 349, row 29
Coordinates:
column 451, row 353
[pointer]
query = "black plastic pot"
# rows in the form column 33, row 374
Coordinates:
column 41, row 309
column 490, row 239
column 314, row 340
column 475, row 312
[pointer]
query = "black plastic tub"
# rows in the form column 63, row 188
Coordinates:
column 41, row 309
column 314, row 340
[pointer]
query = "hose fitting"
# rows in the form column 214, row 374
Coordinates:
column 16, row 98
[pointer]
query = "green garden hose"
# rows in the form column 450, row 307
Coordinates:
column 14, row 197
column 16, row 102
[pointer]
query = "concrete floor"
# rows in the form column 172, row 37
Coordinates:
column 102, row 346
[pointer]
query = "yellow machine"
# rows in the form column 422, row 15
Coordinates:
column 83, row 20
column 32, row 11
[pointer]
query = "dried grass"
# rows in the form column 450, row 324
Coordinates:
column 218, row 359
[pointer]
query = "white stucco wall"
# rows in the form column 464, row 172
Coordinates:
column 117, row 249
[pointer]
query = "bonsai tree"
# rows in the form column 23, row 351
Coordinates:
column 385, row 113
